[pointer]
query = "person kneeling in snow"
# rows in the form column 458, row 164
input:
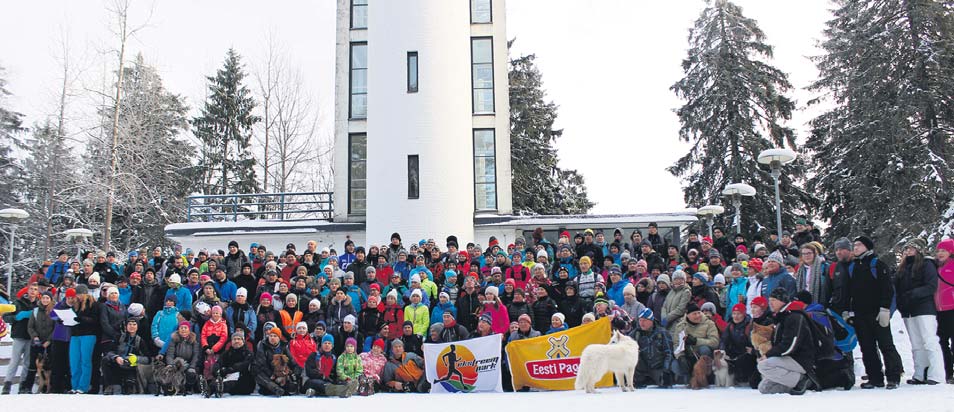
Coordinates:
column 233, row 365
column 272, row 380
column 404, row 371
column 784, row 367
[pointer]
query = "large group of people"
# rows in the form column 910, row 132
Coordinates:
column 321, row 322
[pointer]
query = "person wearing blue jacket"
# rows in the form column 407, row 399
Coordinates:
column 223, row 286
column 736, row 286
column 615, row 291
column 125, row 292
column 240, row 312
column 402, row 266
column 776, row 276
column 345, row 259
column 56, row 271
column 354, row 291
column 443, row 305
column 182, row 294
column 165, row 322
column 565, row 260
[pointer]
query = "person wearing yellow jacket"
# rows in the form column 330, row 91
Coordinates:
column 417, row 314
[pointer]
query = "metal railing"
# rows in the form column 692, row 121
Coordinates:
column 260, row 206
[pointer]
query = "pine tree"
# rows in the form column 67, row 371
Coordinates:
column 225, row 130
column 736, row 106
column 539, row 185
column 50, row 189
column 881, row 155
column 155, row 166
column 11, row 126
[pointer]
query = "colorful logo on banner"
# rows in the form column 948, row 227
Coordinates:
column 465, row 366
column 457, row 370
column 551, row 361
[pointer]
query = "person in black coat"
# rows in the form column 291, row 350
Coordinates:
column 589, row 248
column 451, row 331
column 236, row 359
column 788, row 366
column 737, row 344
column 543, row 309
column 264, row 371
column 915, row 285
column 865, row 291
column 119, row 365
column 412, row 343
column 655, row 352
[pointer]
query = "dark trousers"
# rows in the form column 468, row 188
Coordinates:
column 114, row 374
column 268, row 387
column 60, row 367
column 96, row 380
column 742, row 367
column 27, row 384
column 317, row 384
column 245, row 385
column 872, row 338
column 945, row 331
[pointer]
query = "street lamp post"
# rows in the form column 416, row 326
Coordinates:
column 78, row 236
column 14, row 215
column 775, row 158
column 735, row 191
column 709, row 213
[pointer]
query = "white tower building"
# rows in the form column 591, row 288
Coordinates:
column 422, row 128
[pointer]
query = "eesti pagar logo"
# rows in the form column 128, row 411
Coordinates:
column 458, row 368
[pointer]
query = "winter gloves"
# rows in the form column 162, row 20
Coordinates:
column 884, row 317
column 690, row 340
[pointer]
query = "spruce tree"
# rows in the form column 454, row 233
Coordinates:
column 881, row 154
column 225, row 130
column 11, row 127
column 736, row 106
column 539, row 185
column 49, row 191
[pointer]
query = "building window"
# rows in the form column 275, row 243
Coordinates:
column 358, row 174
column 412, row 72
column 485, row 170
column 359, row 80
column 359, row 14
column 483, row 74
column 480, row 11
column 413, row 177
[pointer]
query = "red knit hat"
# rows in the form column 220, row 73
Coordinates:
column 760, row 302
column 565, row 234
column 755, row 264
column 379, row 343
column 740, row 307
column 375, row 286
column 71, row 293
column 707, row 239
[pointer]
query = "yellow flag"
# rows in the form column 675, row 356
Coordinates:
column 551, row 361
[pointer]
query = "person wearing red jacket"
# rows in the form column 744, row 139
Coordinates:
column 216, row 326
column 302, row 345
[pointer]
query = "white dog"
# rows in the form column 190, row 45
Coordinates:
column 619, row 356
column 720, row 367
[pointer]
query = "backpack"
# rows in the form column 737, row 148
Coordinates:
column 822, row 335
column 844, row 334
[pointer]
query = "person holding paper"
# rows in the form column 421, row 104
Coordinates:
column 60, row 343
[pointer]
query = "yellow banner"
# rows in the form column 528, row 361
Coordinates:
column 551, row 361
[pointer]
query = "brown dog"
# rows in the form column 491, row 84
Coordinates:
column 281, row 373
column 762, row 337
column 700, row 373
column 43, row 373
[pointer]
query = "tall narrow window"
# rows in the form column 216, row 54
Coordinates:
column 413, row 177
column 412, row 72
column 359, row 14
column 359, row 80
column 483, row 74
column 485, row 170
column 358, row 174
column 480, row 11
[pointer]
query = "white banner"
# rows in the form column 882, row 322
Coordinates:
column 471, row 365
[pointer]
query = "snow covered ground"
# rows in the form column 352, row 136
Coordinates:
column 906, row 399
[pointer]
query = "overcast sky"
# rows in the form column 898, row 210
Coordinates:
column 608, row 64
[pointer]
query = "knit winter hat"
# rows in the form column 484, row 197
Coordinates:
column 739, row 307
column 492, row 290
column 760, row 301
column 560, row 316
column 946, row 244
column 679, row 275
column 134, row 309
column 646, row 313
column 629, row 288
column 865, row 240
column 174, row 278
column 781, row 294
column 719, row 279
column 216, row 309
column 663, row 278
column 71, row 293
column 314, row 302
column 349, row 319
column 275, row 331
column 692, row 307
column 301, row 325
column 701, row 276
column 111, row 290
column 776, row 257
column 328, row 338
column 393, row 294
column 378, row 343
column 486, row 318
column 416, row 278
column 93, row 277
column 203, row 308
column 708, row 306
column 755, row 265
column 241, row 292
column 417, row 292
column 265, row 296
column 185, row 323
column 714, row 253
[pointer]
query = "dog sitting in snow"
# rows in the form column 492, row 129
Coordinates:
column 720, row 368
column 619, row 356
column 700, row 373
column 762, row 337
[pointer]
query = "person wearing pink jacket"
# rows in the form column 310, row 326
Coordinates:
column 497, row 310
column 944, row 300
